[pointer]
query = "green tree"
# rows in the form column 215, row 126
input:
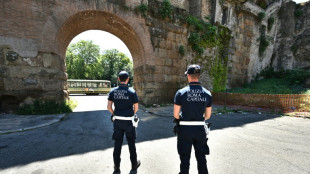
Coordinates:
column 113, row 62
column 84, row 61
column 81, row 60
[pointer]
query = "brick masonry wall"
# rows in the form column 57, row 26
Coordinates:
column 34, row 36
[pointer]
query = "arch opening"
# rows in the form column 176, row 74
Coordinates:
column 107, row 53
column 108, row 22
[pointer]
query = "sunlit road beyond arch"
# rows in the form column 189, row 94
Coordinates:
column 240, row 144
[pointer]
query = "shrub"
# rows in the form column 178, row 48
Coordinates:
column 263, row 41
column 181, row 50
column 298, row 13
column 262, row 4
column 283, row 81
column 47, row 107
column 166, row 9
column 142, row 8
column 261, row 16
column 270, row 23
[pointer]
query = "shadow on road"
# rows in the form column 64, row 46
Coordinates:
column 84, row 132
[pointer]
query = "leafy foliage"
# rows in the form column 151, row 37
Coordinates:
column 142, row 8
column 298, row 13
column 263, row 41
column 47, row 107
column 218, row 70
column 113, row 61
column 166, row 9
column 84, row 62
column 205, row 35
column 277, row 82
column 182, row 50
column 261, row 16
column 262, row 4
column 270, row 23
column 81, row 60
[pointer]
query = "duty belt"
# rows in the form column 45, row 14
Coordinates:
column 123, row 118
column 192, row 123
column 135, row 120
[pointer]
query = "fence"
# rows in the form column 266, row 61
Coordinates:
column 277, row 102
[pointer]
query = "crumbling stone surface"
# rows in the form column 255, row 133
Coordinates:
column 32, row 49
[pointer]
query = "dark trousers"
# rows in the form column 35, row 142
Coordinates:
column 122, row 127
column 196, row 136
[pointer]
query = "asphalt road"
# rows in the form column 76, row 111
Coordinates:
column 239, row 143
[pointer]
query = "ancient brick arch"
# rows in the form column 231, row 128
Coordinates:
column 34, row 41
column 129, row 32
column 99, row 20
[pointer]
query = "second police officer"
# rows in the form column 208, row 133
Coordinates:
column 124, row 120
column 192, row 106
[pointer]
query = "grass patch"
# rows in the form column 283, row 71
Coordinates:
column 280, row 82
column 47, row 107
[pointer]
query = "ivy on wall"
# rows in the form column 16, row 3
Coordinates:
column 202, row 35
column 205, row 35
column 166, row 10
column 298, row 13
column 263, row 41
column 270, row 23
column 142, row 9
column 261, row 16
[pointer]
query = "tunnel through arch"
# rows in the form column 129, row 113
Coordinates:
column 99, row 20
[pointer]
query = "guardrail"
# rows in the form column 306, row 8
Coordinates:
column 284, row 102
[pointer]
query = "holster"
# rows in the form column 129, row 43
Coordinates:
column 112, row 118
column 135, row 121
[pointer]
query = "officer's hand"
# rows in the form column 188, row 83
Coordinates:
column 176, row 121
column 176, row 127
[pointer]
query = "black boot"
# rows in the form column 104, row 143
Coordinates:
column 135, row 167
column 116, row 170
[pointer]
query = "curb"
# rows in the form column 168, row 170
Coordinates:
column 153, row 113
column 59, row 118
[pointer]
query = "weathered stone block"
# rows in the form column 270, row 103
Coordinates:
column 157, row 32
column 149, row 85
column 161, row 53
column 171, row 37
column 158, row 77
column 172, row 54
column 160, row 61
column 53, row 61
column 57, row 95
column 168, row 62
column 18, row 84
column 3, row 71
column 35, row 72
column 167, row 78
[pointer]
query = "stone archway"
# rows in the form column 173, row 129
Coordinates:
column 33, row 46
column 98, row 20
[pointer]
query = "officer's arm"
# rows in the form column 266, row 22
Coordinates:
column 135, row 107
column 110, row 106
column 176, row 111
column 208, row 113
